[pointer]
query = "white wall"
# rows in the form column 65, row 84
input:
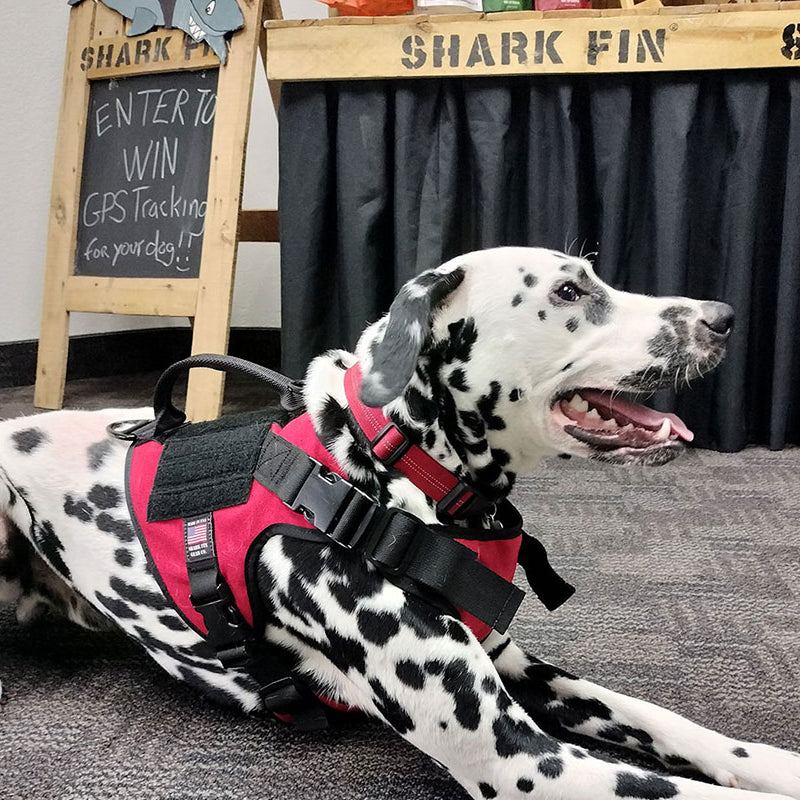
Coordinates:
column 31, row 65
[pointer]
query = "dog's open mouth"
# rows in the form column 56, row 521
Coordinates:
column 620, row 430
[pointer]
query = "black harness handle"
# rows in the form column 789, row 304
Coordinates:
column 168, row 417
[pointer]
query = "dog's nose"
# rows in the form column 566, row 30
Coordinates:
column 718, row 317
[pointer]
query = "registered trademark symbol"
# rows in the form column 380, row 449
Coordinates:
column 674, row 26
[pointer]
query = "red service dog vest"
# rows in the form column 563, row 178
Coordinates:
column 230, row 530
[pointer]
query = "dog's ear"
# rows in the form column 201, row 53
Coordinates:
column 405, row 331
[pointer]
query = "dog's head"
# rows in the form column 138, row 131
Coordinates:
column 529, row 350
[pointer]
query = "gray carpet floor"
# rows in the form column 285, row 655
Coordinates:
column 688, row 583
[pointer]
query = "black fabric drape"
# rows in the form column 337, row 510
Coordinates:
column 683, row 183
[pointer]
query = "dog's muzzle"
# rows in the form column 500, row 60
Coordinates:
column 619, row 430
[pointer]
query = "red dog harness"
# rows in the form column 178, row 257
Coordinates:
column 205, row 497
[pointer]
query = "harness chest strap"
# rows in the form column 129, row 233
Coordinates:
column 397, row 543
column 234, row 640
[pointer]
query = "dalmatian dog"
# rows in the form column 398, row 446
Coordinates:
column 490, row 363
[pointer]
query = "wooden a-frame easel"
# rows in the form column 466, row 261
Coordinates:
column 206, row 300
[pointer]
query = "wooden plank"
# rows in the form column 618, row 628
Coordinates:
column 571, row 13
column 107, row 22
column 669, row 11
column 272, row 11
column 162, row 50
column 258, row 225
column 146, row 296
column 51, row 365
column 212, row 317
column 744, row 6
column 509, row 15
column 663, row 40
column 640, row 9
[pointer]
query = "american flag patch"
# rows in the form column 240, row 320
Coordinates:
column 198, row 537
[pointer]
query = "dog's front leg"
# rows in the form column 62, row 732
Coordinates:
column 441, row 692
column 364, row 642
column 561, row 702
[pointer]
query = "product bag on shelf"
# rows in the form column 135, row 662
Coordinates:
column 447, row 6
column 370, row 8
column 554, row 5
column 507, row 5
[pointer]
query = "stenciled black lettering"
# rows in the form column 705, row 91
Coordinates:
column 142, row 54
column 646, row 44
column 105, row 54
column 624, row 45
column 190, row 45
column 87, row 58
column 124, row 57
column 596, row 45
column 550, row 47
column 513, row 43
column 538, row 48
column 414, row 46
column 161, row 50
column 480, row 53
column 791, row 43
column 452, row 51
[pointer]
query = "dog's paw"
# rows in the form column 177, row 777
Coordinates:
column 760, row 768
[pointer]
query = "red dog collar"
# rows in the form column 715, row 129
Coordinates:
column 455, row 499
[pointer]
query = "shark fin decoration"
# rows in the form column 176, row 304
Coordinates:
column 144, row 20
column 208, row 21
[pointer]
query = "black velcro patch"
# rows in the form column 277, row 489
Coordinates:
column 209, row 465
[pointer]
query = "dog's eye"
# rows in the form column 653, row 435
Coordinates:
column 569, row 292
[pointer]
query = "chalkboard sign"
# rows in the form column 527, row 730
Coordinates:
column 146, row 206
column 145, row 175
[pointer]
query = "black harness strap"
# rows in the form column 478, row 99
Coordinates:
column 234, row 641
column 398, row 544
column 551, row 589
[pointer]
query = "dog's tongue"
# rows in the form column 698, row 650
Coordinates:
column 639, row 415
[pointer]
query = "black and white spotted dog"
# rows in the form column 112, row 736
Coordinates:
column 490, row 362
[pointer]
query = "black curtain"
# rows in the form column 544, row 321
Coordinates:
column 683, row 183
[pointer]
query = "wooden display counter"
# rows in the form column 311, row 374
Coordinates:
column 642, row 38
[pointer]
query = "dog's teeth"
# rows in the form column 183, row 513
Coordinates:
column 662, row 434
column 578, row 403
column 611, row 423
column 593, row 414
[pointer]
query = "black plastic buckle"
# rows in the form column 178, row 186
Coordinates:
column 283, row 696
column 475, row 505
column 280, row 696
column 228, row 632
column 321, row 497
column 398, row 452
